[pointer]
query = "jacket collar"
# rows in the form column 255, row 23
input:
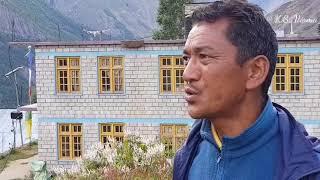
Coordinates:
column 260, row 132
column 300, row 152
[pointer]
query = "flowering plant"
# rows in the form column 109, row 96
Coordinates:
column 134, row 158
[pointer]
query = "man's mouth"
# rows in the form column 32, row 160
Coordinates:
column 190, row 94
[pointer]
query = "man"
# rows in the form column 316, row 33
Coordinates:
column 230, row 56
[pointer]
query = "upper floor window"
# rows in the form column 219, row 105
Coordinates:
column 68, row 74
column 111, row 74
column 171, row 71
column 288, row 76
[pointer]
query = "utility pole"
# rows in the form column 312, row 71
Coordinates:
column 12, row 30
column 59, row 32
column 16, row 115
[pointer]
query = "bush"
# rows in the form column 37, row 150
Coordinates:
column 133, row 159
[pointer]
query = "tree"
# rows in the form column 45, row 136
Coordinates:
column 171, row 19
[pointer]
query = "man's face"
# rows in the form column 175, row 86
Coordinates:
column 215, row 81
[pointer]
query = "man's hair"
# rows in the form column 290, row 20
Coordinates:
column 248, row 30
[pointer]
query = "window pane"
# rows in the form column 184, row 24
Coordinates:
column 292, row 87
column 179, row 80
column 104, row 62
column 63, row 80
column 75, row 80
column 62, row 62
column 166, row 80
column 118, row 80
column 291, row 59
column 117, row 129
column 74, row 62
column 179, row 61
column 105, row 80
column 168, row 143
column 77, row 146
column 297, row 59
column 65, row 147
column 117, row 61
column 109, row 128
column 181, row 130
column 179, row 142
column 104, row 139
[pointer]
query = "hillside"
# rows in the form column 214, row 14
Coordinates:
column 33, row 20
column 305, row 15
column 121, row 19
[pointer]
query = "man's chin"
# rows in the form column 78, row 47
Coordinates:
column 195, row 114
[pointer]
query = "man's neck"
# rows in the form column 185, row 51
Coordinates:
column 239, row 118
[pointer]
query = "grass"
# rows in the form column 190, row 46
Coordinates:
column 20, row 153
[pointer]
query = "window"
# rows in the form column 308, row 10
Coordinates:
column 171, row 71
column 111, row 74
column 288, row 75
column 173, row 136
column 111, row 130
column 70, row 141
column 68, row 74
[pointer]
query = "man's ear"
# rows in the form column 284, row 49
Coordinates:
column 257, row 70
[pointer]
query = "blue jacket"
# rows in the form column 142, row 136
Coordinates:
column 300, row 154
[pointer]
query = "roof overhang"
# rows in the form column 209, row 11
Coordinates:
column 30, row 107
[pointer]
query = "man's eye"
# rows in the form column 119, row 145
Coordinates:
column 185, row 59
column 203, row 56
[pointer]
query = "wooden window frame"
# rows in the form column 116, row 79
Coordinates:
column 287, row 65
column 112, row 133
column 71, row 134
column 174, row 135
column 69, row 69
column 172, row 68
column 112, row 69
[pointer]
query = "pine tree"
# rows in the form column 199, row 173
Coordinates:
column 171, row 19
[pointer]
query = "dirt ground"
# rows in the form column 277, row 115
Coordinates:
column 17, row 169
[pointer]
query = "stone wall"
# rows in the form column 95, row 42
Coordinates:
column 304, row 105
column 141, row 98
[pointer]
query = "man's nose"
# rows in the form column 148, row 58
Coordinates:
column 192, row 71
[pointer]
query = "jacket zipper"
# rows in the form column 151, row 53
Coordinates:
column 219, row 167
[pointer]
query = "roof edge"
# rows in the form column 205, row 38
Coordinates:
column 126, row 42
column 83, row 43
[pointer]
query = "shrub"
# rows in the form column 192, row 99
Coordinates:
column 135, row 158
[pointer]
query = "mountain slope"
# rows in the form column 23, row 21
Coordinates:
column 33, row 20
column 305, row 15
column 120, row 19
